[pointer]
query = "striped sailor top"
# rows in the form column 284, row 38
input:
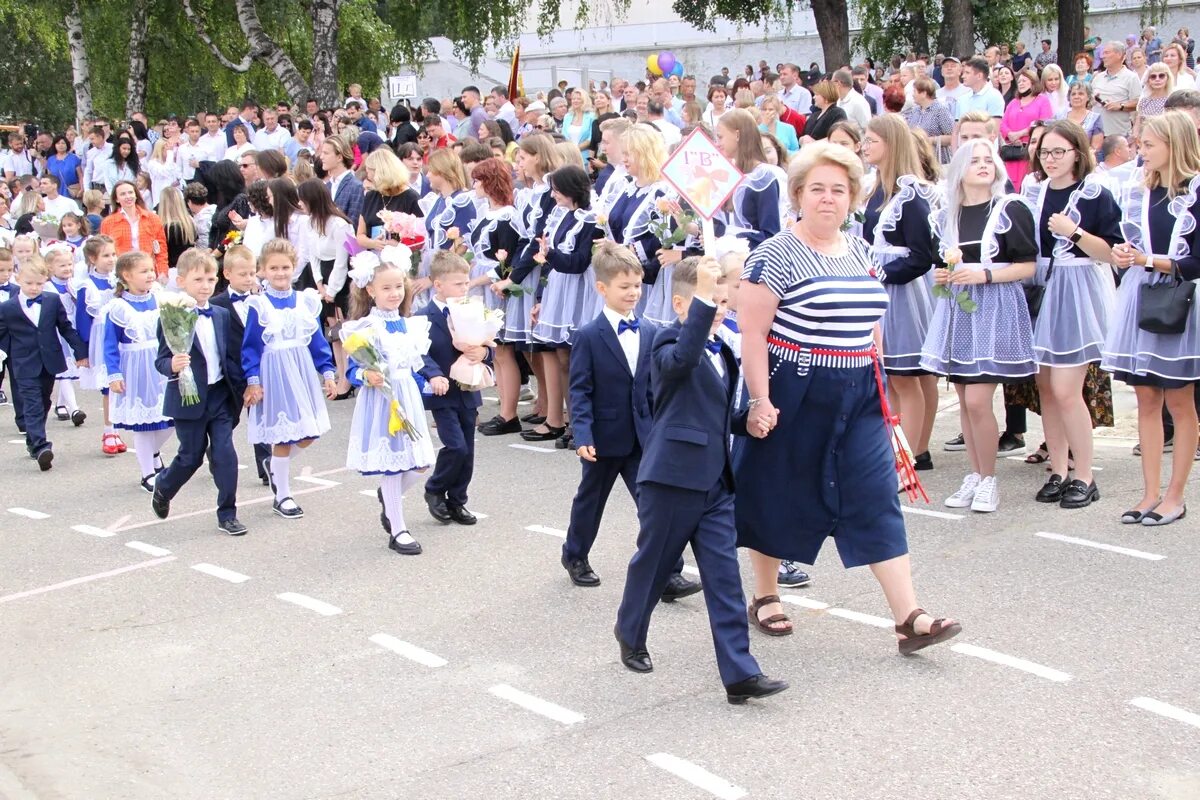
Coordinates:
column 825, row 302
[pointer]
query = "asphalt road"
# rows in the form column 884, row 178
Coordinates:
column 149, row 659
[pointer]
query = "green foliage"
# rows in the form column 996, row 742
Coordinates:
column 895, row 26
column 705, row 13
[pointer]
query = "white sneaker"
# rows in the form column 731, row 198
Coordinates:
column 987, row 496
column 965, row 494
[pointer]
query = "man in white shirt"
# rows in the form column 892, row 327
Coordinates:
column 19, row 161
column 854, row 104
column 212, row 141
column 1116, row 90
column 953, row 90
column 654, row 115
column 189, row 154
column 793, row 95
column 93, row 162
column 660, row 90
column 271, row 136
column 505, row 110
column 56, row 204
column 1117, row 163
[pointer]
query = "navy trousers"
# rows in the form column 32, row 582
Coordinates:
column 456, row 460
column 31, row 397
column 670, row 519
column 195, row 436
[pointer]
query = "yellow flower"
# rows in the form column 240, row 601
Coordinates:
column 355, row 341
column 453, row 234
column 663, row 205
column 602, row 219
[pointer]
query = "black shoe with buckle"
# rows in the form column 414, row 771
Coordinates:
column 61, row 413
column 287, row 508
column 148, row 483
column 1078, row 494
column 1052, row 492
column 413, row 548
column 679, row 587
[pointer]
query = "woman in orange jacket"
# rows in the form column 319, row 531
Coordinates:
column 134, row 227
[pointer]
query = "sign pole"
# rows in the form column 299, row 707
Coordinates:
column 710, row 236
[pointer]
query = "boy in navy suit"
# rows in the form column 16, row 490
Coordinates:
column 685, row 485
column 610, row 409
column 207, row 425
column 241, row 275
column 454, row 410
column 30, row 324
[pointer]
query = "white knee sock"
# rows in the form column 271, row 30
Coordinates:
column 410, row 479
column 66, row 395
column 280, row 465
column 393, row 506
column 144, row 448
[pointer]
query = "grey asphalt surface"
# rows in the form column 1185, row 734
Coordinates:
column 161, row 681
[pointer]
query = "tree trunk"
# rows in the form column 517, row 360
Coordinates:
column 957, row 34
column 325, row 86
column 135, row 86
column 833, row 26
column 920, row 28
column 266, row 50
column 81, row 75
column 1070, row 31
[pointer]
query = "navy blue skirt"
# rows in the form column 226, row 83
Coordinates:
column 826, row 470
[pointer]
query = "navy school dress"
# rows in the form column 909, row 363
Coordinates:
column 827, row 469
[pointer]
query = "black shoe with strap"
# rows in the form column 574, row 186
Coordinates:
column 1052, row 491
column 1078, row 494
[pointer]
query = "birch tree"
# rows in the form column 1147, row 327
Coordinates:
column 81, row 74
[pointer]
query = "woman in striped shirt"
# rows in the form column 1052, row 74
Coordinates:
column 820, row 463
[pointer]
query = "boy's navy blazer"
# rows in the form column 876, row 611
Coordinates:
column 231, row 369
column 237, row 332
column 689, row 441
column 610, row 408
column 437, row 363
column 31, row 350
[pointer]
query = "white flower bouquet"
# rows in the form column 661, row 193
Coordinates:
column 177, row 315
column 473, row 324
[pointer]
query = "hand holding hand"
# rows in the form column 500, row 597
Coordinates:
column 117, row 387
column 439, row 385
column 83, row 363
column 762, row 419
column 179, row 362
column 331, row 389
column 253, row 396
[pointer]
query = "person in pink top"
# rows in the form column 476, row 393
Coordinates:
column 1029, row 106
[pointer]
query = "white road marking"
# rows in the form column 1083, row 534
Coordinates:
column 1166, row 710
column 858, row 616
column 149, row 549
column 86, row 579
column 27, row 512
column 1125, row 551
column 369, row 493
column 552, row 532
column 221, row 572
column 1011, row 661
column 697, row 776
column 16, row 441
column 690, row 570
column 92, row 530
column 1022, row 458
column 409, row 651
column 317, row 481
column 304, row 601
column 926, row 512
column 536, row 704
column 268, row 498
column 533, row 448
column 804, row 602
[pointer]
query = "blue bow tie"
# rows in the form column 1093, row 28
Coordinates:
column 627, row 325
column 237, row 297
column 204, row 312
column 713, row 346
column 31, row 301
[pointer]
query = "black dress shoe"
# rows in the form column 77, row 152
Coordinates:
column 635, row 659
column 61, row 413
column 437, row 507
column 383, row 518
column 288, row 511
column 550, row 434
column 413, row 548
column 757, row 686
column 567, row 442
column 460, row 514
column 161, row 505
column 678, row 587
column 581, row 572
column 923, row 461
column 1078, row 494
column 533, row 419
column 499, row 427
column 232, row 527
column 45, row 458
column 1052, row 492
column 78, row 418
column 148, row 483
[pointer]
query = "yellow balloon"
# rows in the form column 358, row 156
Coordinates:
column 652, row 64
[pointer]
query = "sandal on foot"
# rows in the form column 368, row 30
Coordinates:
column 939, row 631
column 764, row 625
column 1039, row 456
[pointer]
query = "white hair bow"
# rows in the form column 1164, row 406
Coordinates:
column 724, row 245
column 362, row 268
column 55, row 245
column 396, row 255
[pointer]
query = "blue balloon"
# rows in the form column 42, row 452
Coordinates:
column 677, row 70
column 666, row 62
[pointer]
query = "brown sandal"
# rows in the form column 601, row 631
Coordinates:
column 764, row 625
column 939, row 631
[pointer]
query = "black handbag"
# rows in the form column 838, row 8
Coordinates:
column 1035, row 293
column 1164, row 306
column 1014, row 152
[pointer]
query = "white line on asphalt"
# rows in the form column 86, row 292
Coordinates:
column 1022, row 458
column 697, row 776
column 805, row 602
column 550, row 531
column 149, row 549
column 536, row 704
column 317, row 481
column 176, row 517
column 925, row 512
column 221, row 572
column 16, row 441
column 369, row 493
column 92, row 530
column 533, row 448
column 86, row 579
column 690, row 570
column 1167, row 710
column 858, row 616
column 304, row 601
column 409, row 651
column 1011, row 661
column 30, row 513
column 1125, row 551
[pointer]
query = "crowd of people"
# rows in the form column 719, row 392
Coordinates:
column 985, row 219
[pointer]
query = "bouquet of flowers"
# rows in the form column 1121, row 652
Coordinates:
column 363, row 348
column 407, row 228
column 965, row 303
column 233, row 237
column 459, row 245
column 671, row 211
column 473, row 324
column 504, row 270
column 45, row 226
column 177, row 314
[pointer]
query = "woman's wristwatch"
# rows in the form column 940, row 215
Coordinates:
column 1077, row 235
column 987, row 276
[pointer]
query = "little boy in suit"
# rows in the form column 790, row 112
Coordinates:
column 207, row 425
column 30, row 324
column 241, row 277
column 685, row 485
column 610, row 409
column 454, row 410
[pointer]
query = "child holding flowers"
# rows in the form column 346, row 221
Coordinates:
column 388, row 434
column 94, row 293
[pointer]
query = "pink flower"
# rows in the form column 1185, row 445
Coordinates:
column 502, row 256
